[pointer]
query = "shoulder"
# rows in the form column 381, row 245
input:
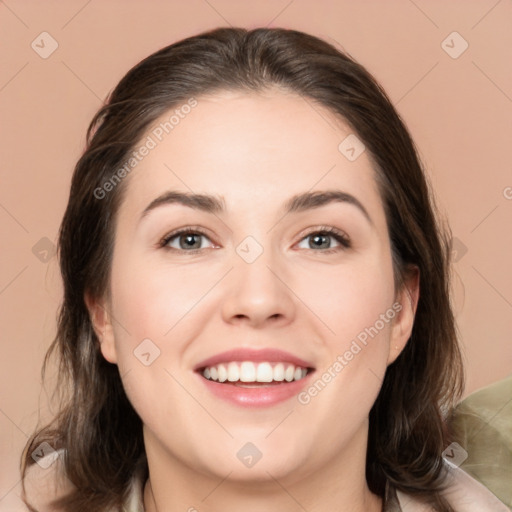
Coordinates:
column 464, row 494
column 486, row 403
column 482, row 425
column 45, row 481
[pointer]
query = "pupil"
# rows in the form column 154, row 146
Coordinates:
column 189, row 240
column 317, row 238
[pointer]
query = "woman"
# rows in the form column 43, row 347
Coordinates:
column 256, row 308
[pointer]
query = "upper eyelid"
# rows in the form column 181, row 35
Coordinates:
column 331, row 230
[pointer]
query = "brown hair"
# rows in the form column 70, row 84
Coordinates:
column 97, row 427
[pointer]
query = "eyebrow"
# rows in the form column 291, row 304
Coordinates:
column 296, row 204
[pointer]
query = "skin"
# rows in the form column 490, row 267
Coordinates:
column 256, row 151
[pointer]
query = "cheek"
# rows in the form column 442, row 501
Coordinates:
column 152, row 300
column 153, row 308
column 356, row 304
column 349, row 298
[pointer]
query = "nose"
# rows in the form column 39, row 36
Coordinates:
column 259, row 294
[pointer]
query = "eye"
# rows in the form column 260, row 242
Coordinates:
column 191, row 240
column 321, row 240
column 186, row 240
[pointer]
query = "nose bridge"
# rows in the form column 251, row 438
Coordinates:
column 257, row 292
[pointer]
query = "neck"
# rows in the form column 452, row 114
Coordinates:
column 338, row 484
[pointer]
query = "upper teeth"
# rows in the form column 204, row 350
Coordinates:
column 248, row 371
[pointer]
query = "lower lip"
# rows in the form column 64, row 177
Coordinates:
column 257, row 396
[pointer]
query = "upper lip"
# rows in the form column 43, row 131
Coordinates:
column 256, row 355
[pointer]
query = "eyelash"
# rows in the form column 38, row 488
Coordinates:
column 338, row 235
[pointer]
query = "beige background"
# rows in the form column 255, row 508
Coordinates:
column 459, row 111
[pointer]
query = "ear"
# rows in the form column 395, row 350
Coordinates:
column 405, row 305
column 102, row 325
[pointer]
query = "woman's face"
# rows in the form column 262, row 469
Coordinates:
column 258, row 273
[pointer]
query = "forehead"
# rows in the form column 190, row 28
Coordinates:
column 237, row 145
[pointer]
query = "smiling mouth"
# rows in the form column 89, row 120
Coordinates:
column 248, row 374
